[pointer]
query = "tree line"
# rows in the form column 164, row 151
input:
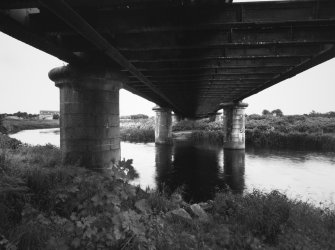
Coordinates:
column 279, row 113
column 23, row 115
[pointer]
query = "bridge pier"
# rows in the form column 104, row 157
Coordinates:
column 163, row 125
column 89, row 115
column 234, row 125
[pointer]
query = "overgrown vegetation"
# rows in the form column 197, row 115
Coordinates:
column 299, row 131
column 203, row 124
column 23, row 115
column 3, row 130
column 138, row 130
column 16, row 125
column 313, row 131
column 45, row 205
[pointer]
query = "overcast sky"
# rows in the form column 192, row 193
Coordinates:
column 25, row 86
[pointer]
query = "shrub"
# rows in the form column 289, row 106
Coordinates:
column 141, row 130
column 213, row 137
column 9, row 143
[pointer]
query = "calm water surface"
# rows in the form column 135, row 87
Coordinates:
column 203, row 169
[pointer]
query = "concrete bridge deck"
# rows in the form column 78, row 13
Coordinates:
column 190, row 56
column 187, row 55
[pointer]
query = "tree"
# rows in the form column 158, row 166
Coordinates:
column 277, row 112
column 55, row 116
column 265, row 112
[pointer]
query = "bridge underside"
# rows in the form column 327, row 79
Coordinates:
column 189, row 56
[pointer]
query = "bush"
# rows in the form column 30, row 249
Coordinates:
column 9, row 143
column 263, row 214
column 203, row 124
column 142, row 130
column 212, row 137
column 3, row 130
column 296, row 140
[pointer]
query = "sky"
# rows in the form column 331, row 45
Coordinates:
column 25, row 86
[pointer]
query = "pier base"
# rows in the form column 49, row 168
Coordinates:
column 234, row 125
column 89, row 115
column 163, row 125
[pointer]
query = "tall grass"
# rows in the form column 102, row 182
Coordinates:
column 139, row 130
column 295, row 132
column 203, row 124
column 293, row 140
column 212, row 137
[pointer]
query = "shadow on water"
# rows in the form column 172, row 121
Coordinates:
column 195, row 169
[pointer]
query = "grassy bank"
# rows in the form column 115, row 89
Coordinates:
column 295, row 132
column 203, row 125
column 143, row 130
column 138, row 130
column 299, row 131
column 12, row 126
column 45, row 205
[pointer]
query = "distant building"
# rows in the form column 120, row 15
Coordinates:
column 47, row 114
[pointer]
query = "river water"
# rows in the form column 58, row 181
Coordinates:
column 201, row 170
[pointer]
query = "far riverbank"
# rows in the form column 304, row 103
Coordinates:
column 307, row 132
column 12, row 126
column 303, row 132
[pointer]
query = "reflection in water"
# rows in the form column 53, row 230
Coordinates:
column 234, row 166
column 193, row 169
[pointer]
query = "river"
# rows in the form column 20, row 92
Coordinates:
column 201, row 170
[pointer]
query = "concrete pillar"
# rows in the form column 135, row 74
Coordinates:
column 89, row 115
column 163, row 125
column 234, row 125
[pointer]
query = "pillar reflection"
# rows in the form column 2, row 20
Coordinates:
column 163, row 160
column 234, row 169
column 195, row 170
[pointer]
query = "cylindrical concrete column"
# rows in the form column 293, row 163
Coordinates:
column 234, row 125
column 89, row 115
column 163, row 125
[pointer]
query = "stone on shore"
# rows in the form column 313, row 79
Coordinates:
column 199, row 212
column 180, row 213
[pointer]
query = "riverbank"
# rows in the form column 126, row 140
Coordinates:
column 12, row 126
column 45, row 205
column 290, row 132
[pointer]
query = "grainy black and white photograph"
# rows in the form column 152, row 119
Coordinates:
column 167, row 124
